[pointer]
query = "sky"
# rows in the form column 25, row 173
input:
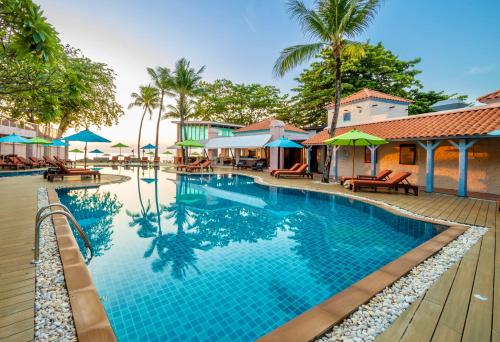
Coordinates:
column 241, row 39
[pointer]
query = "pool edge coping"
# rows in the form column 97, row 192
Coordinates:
column 89, row 316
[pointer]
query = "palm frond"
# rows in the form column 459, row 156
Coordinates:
column 311, row 23
column 292, row 56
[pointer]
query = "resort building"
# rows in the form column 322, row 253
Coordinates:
column 27, row 130
column 248, row 144
column 456, row 151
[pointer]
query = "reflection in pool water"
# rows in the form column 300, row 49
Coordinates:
column 199, row 257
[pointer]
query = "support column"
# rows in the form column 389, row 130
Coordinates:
column 373, row 159
column 463, row 162
column 308, row 158
column 429, row 148
column 335, row 162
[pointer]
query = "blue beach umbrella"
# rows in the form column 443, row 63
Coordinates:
column 96, row 151
column 14, row 139
column 282, row 143
column 495, row 132
column 58, row 143
column 86, row 136
column 149, row 147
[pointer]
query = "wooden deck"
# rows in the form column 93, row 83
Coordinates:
column 464, row 304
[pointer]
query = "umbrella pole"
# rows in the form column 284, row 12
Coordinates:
column 85, row 157
column 353, row 154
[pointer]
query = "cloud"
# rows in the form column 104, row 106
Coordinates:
column 478, row 70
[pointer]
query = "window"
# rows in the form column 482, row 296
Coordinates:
column 347, row 116
column 407, row 154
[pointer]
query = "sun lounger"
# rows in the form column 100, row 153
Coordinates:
column 126, row 160
column 144, row 160
column 156, row 160
column 21, row 161
column 293, row 168
column 398, row 180
column 65, row 172
column 382, row 175
column 301, row 171
column 40, row 162
column 64, row 161
column 114, row 160
column 205, row 165
column 14, row 160
column 49, row 162
column 184, row 166
column 259, row 165
column 4, row 164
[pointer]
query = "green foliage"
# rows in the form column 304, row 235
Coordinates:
column 42, row 81
column 242, row 104
column 377, row 68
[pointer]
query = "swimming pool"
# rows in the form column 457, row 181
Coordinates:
column 22, row 173
column 222, row 258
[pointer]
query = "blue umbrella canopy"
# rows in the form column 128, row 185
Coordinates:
column 148, row 147
column 96, row 151
column 86, row 136
column 58, row 143
column 14, row 139
column 283, row 142
column 495, row 132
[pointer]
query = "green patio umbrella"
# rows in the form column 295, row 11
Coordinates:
column 120, row 146
column 189, row 143
column 75, row 151
column 14, row 139
column 86, row 136
column 355, row 138
column 38, row 141
column 167, row 152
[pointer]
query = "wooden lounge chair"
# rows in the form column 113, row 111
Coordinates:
column 40, row 162
column 64, row 161
column 114, row 160
column 144, row 160
column 65, row 172
column 179, row 167
column 398, row 180
column 293, row 168
column 301, row 171
column 156, row 160
column 20, row 164
column 4, row 164
column 259, row 165
column 382, row 175
column 48, row 161
column 126, row 160
column 205, row 165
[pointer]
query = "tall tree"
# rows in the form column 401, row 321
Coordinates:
column 162, row 80
column 332, row 24
column 185, row 84
column 241, row 104
column 147, row 99
column 378, row 69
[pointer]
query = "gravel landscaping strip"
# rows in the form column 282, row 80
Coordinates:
column 53, row 315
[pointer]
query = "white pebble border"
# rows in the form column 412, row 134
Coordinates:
column 371, row 319
column 53, row 315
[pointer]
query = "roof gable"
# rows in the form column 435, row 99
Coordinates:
column 490, row 96
column 365, row 94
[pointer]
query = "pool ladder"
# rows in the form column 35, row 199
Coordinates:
column 40, row 217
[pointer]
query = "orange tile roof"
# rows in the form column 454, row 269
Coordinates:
column 266, row 124
column 490, row 96
column 366, row 93
column 454, row 123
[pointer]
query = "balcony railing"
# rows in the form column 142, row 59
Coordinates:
column 39, row 130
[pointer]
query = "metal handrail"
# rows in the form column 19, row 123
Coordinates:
column 41, row 217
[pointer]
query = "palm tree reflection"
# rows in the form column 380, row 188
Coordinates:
column 94, row 212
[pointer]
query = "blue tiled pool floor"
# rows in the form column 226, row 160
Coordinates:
column 220, row 258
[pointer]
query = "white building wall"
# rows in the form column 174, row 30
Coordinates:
column 370, row 110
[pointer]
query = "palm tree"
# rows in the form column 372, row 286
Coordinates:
column 162, row 80
column 147, row 98
column 186, row 84
column 333, row 24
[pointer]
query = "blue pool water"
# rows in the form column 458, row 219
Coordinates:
column 21, row 173
column 220, row 258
